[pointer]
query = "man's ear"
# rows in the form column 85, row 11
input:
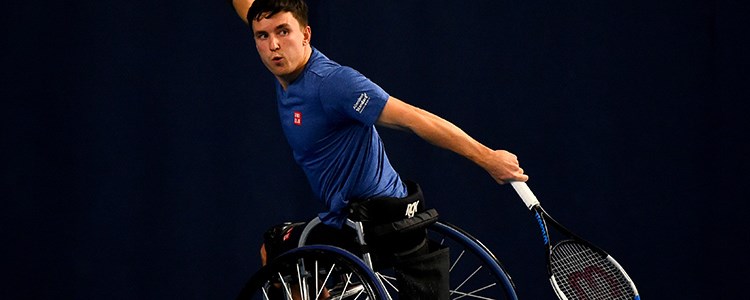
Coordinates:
column 307, row 34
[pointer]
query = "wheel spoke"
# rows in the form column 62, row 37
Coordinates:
column 284, row 284
column 457, row 260
column 389, row 280
column 467, row 279
column 471, row 294
column 346, row 285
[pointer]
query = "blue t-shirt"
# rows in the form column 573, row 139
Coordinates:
column 328, row 115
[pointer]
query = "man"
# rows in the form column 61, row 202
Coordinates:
column 328, row 113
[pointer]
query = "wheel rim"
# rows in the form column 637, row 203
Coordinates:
column 314, row 272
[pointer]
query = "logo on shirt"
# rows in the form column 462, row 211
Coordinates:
column 297, row 118
column 361, row 103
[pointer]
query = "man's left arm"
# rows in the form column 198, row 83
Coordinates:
column 502, row 165
column 241, row 7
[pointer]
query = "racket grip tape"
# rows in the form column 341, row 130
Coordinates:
column 525, row 193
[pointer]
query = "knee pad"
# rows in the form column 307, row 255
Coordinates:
column 278, row 240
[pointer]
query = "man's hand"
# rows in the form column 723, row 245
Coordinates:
column 503, row 167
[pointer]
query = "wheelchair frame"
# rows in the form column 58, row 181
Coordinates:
column 376, row 283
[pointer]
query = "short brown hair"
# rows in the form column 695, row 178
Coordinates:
column 268, row 8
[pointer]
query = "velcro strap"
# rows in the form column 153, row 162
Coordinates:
column 419, row 221
column 386, row 209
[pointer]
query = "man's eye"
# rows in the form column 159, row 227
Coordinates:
column 261, row 36
column 283, row 32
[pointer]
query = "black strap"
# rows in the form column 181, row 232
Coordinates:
column 389, row 209
column 419, row 221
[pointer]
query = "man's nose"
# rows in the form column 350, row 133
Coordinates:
column 273, row 43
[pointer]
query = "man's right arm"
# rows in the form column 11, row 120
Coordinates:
column 241, row 7
column 502, row 165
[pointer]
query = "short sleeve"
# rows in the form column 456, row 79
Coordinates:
column 352, row 95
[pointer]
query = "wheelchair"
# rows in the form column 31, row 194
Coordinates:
column 311, row 272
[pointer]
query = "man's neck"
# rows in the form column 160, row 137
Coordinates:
column 286, row 80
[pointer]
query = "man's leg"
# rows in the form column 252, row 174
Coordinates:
column 423, row 274
column 422, row 268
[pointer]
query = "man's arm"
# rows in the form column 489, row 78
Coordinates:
column 502, row 165
column 241, row 7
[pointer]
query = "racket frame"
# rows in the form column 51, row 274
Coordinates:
column 542, row 217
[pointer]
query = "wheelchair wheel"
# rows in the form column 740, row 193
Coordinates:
column 475, row 272
column 314, row 272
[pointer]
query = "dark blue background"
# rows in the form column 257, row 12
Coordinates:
column 142, row 157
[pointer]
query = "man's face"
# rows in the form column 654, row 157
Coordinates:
column 282, row 45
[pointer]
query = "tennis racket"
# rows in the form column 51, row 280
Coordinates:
column 578, row 269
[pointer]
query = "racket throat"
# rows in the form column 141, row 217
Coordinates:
column 542, row 227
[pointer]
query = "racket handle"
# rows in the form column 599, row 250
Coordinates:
column 525, row 193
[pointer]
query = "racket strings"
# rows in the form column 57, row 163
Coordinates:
column 582, row 273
